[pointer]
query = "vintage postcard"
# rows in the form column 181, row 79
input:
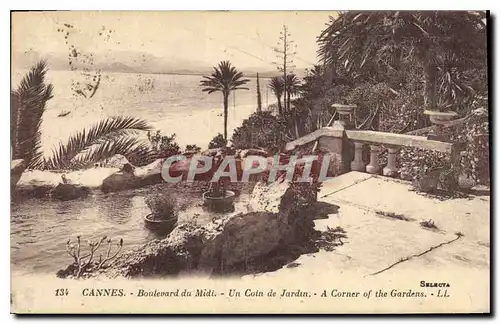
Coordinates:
column 237, row 162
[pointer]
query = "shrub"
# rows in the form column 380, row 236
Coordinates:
column 193, row 148
column 164, row 146
column 474, row 162
column 261, row 130
column 163, row 205
column 86, row 263
column 217, row 142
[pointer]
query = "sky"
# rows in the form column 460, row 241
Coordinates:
column 247, row 38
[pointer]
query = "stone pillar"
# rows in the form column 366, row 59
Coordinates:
column 336, row 147
column 391, row 169
column 358, row 164
column 339, row 145
column 373, row 167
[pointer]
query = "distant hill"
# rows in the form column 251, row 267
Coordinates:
column 129, row 62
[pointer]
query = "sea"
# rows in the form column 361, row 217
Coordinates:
column 40, row 228
column 173, row 104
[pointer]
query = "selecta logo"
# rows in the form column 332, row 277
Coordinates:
column 304, row 169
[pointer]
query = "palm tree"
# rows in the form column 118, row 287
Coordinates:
column 28, row 104
column 292, row 87
column 441, row 42
column 277, row 85
column 225, row 79
column 114, row 135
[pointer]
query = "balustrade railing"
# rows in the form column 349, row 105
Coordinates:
column 340, row 132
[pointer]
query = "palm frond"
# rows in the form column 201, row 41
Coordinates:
column 224, row 78
column 277, row 85
column 106, row 131
column 107, row 149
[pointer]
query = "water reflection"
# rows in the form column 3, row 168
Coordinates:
column 40, row 228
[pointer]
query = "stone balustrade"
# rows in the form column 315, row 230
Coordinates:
column 348, row 145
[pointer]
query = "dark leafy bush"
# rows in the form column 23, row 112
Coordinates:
column 164, row 146
column 163, row 205
column 193, row 148
column 217, row 142
column 261, row 130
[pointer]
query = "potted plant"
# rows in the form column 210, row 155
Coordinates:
column 218, row 198
column 164, row 212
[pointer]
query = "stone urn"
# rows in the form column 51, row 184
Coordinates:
column 344, row 112
column 440, row 117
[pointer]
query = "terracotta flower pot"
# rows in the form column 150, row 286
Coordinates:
column 163, row 226
column 217, row 203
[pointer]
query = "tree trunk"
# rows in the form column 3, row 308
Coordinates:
column 430, row 82
column 288, row 101
column 280, row 109
column 226, row 99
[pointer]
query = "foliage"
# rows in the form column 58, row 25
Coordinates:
column 163, row 205
column 86, row 263
column 277, row 86
column 292, row 87
column 164, row 146
column 28, row 103
column 475, row 160
column 331, row 238
column 430, row 224
column 225, row 79
column 193, row 148
column 217, row 142
column 393, row 65
column 443, row 43
column 261, row 130
column 114, row 135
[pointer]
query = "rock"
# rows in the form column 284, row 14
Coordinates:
column 136, row 177
column 37, row 183
column 17, row 168
column 116, row 161
column 119, row 181
column 255, row 152
column 225, row 243
column 66, row 191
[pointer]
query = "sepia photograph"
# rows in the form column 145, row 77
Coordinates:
column 234, row 162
